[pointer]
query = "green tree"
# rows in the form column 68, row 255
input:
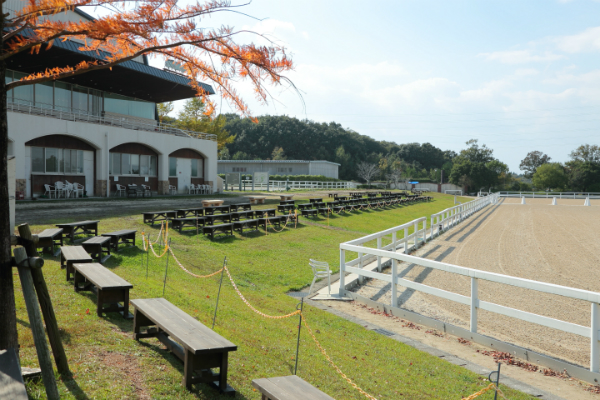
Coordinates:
column 195, row 117
column 532, row 161
column 586, row 153
column 278, row 154
column 240, row 155
column 224, row 154
column 475, row 167
column 164, row 109
column 584, row 176
column 550, row 176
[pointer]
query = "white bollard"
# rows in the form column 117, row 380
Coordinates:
column 523, row 200
column 554, row 201
column 587, row 201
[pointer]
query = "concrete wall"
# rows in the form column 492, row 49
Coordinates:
column 24, row 127
column 324, row 168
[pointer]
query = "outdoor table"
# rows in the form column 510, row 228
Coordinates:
column 70, row 255
column 159, row 216
column 49, row 238
column 287, row 202
column 242, row 206
column 187, row 212
column 210, row 203
column 97, row 247
column 125, row 236
column 288, row 388
column 315, row 200
column 257, row 199
column 285, row 197
column 79, row 228
column 132, row 191
column 210, row 210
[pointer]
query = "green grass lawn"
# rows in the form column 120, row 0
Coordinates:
column 108, row 363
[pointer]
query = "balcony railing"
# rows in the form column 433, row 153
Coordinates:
column 105, row 120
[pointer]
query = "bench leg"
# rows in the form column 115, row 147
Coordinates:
column 100, row 295
column 223, row 372
column 188, row 369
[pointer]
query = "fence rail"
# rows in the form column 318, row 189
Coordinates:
column 49, row 111
column 314, row 185
column 549, row 195
column 443, row 220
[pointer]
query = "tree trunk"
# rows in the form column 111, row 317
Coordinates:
column 8, row 317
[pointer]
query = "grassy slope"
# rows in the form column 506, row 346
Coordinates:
column 108, row 364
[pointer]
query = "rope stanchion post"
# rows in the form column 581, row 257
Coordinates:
column 219, row 293
column 497, row 381
column 147, row 256
column 166, row 268
column 299, row 328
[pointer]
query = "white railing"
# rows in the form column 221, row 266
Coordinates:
column 310, row 185
column 449, row 217
column 127, row 123
column 390, row 251
column 548, row 195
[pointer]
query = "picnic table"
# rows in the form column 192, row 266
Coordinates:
column 211, row 203
column 98, row 248
column 11, row 381
column 187, row 212
column 288, row 388
column 124, row 236
column 79, row 228
column 111, row 289
column 286, row 197
column 155, row 216
column 210, row 210
column 192, row 222
column 197, row 346
column 49, row 238
column 70, row 255
column 257, row 199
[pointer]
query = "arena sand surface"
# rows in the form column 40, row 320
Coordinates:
column 555, row 244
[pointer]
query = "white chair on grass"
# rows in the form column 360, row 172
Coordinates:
column 120, row 190
column 49, row 190
column 320, row 270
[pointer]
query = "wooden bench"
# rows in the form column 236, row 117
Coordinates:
column 286, row 197
column 124, row 236
column 257, row 199
column 211, row 230
column 242, row 206
column 324, row 211
column 11, row 381
column 49, row 238
column 187, row 212
column 269, row 212
column 79, row 228
column 315, row 200
column 339, row 209
column 98, row 248
column 309, row 212
column 285, row 208
column 212, row 203
column 221, row 209
column 287, row 202
column 70, row 255
column 159, row 216
column 288, row 388
column 238, row 215
column 251, row 224
column 305, row 206
column 193, row 343
column 341, row 198
column 210, row 219
column 111, row 289
column 192, row 222
column 265, row 222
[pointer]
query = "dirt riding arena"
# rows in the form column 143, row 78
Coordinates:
column 556, row 244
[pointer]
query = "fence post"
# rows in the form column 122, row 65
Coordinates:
column 394, row 241
column 361, row 279
column 342, row 272
column 379, row 257
column 405, row 240
column 474, row 304
column 394, row 299
column 594, row 349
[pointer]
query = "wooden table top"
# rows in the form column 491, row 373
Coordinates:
column 79, row 223
column 206, row 203
column 102, row 277
column 158, row 212
column 74, row 253
column 289, row 387
column 120, row 233
column 97, row 240
column 50, row 232
column 183, row 328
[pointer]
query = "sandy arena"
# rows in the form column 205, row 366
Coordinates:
column 556, row 244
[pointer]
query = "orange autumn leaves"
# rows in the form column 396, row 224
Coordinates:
column 164, row 28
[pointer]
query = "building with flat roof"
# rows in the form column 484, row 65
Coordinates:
column 280, row 167
column 101, row 128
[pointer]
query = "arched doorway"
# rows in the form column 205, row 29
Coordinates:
column 186, row 166
column 133, row 164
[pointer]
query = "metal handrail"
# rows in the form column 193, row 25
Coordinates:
column 104, row 120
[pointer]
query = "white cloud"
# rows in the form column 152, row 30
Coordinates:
column 586, row 41
column 520, row 56
column 305, row 35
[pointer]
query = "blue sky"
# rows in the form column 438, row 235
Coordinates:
column 517, row 75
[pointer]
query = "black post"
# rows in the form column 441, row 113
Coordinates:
column 166, row 269
column 219, row 293
column 497, row 380
column 299, row 326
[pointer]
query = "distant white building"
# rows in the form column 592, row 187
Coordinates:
column 280, row 167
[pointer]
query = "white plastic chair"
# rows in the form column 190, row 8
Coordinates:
column 147, row 191
column 78, row 188
column 120, row 190
column 61, row 189
column 207, row 189
column 49, row 190
column 320, row 270
column 172, row 189
column 192, row 189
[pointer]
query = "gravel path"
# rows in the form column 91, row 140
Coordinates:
column 555, row 244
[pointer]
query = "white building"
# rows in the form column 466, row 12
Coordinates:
column 280, row 167
column 101, row 128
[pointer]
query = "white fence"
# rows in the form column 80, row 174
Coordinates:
column 448, row 218
column 548, row 195
column 451, row 216
column 282, row 185
column 104, row 120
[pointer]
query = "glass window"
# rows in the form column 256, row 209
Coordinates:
column 67, row 161
column 44, row 94
column 80, row 99
column 135, row 164
column 142, row 109
column 194, row 168
column 80, row 161
column 52, row 159
column 37, row 159
column 172, row 166
column 144, row 164
column 201, row 168
column 115, row 163
column 125, row 164
column 62, row 96
column 23, row 94
column 95, row 105
column 153, row 166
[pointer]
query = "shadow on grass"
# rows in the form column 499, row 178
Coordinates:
column 74, row 389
